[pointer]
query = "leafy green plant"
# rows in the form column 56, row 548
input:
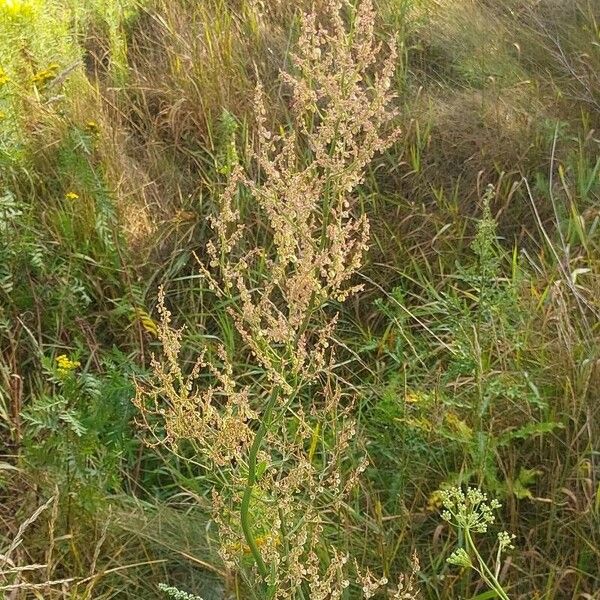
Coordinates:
column 78, row 431
column 477, row 337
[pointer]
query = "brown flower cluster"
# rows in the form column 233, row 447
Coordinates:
column 278, row 445
column 303, row 189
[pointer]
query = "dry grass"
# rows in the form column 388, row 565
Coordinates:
column 487, row 92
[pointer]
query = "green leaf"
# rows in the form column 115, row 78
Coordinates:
column 528, row 431
column 485, row 595
column 261, row 468
column 520, row 486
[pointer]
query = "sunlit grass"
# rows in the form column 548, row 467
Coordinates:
column 472, row 351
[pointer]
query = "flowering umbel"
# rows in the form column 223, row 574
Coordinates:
column 471, row 512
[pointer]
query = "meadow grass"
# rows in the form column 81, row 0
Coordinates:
column 469, row 357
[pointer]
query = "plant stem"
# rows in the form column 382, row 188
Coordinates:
column 485, row 572
column 245, row 506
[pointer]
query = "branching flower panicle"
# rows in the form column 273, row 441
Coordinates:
column 278, row 444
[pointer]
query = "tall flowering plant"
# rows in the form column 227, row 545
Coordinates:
column 276, row 446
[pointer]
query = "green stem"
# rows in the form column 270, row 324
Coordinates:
column 485, row 572
column 245, row 506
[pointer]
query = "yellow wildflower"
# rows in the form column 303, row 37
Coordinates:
column 72, row 196
column 65, row 366
column 412, row 397
column 418, row 397
column 16, row 8
column 92, row 127
column 4, row 78
column 434, row 502
column 42, row 77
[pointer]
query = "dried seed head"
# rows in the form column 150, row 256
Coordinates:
column 277, row 291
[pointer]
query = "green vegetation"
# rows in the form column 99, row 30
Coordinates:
column 380, row 235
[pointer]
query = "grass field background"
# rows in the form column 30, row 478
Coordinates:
column 472, row 352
